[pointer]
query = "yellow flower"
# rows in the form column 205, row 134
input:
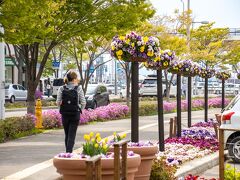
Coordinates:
column 122, row 38
column 99, row 139
column 86, row 137
column 124, row 135
column 103, row 143
column 93, row 140
column 169, row 53
column 105, row 147
column 128, row 41
column 156, row 59
column 145, row 64
column 165, row 63
column 96, row 145
column 119, row 52
column 119, row 57
column 145, row 39
column 113, row 48
column 97, row 135
column 142, row 49
column 114, row 133
column 150, row 53
column 133, row 44
column 106, row 140
column 91, row 134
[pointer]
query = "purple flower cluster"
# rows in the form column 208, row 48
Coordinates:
column 140, row 144
column 162, row 62
column 38, row 94
column 65, row 155
column 197, row 103
column 134, row 46
column 51, row 119
column 111, row 111
column 196, row 141
column 207, row 72
column 223, row 75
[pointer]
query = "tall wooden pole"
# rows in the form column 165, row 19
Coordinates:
column 134, row 104
column 206, row 100
column 160, row 111
column 223, row 94
column 179, row 92
column 189, row 101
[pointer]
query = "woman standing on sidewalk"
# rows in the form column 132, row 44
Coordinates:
column 71, row 100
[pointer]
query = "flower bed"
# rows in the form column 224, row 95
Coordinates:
column 197, row 141
column 52, row 118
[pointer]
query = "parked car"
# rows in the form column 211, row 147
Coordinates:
column 57, row 83
column 149, row 87
column 14, row 92
column 230, row 119
column 111, row 88
column 96, row 95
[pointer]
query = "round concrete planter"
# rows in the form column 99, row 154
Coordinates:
column 75, row 169
column 147, row 153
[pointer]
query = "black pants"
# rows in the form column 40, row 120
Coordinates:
column 70, row 125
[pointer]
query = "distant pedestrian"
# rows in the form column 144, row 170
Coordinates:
column 184, row 90
column 48, row 89
column 71, row 100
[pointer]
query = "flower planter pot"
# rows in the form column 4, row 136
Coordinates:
column 75, row 169
column 138, row 59
column 147, row 153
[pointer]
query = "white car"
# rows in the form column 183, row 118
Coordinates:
column 57, row 83
column 230, row 119
column 149, row 87
column 15, row 92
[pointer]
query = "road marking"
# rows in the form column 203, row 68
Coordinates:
column 46, row 164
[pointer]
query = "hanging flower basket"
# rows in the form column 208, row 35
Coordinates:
column 223, row 75
column 134, row 47
column 206, row 73
column 161, row 62
column 189, row 69
column 175, row 67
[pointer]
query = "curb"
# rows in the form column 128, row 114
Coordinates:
column 199, row 165
column 25, row 109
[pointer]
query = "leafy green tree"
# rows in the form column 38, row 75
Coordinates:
column 206, row 44
column 32, row 24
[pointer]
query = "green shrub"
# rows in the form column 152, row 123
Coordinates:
column 161, row 171
column 231, row 173
column 11, row 127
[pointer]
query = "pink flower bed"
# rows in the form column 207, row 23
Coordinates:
column 53, row 119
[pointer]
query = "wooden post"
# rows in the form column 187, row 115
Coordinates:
column 171, row 128
column 123, row 165
column 175, row 127
column 218, row 118
column 221, row 153
column 95, row 160
column 216, row 126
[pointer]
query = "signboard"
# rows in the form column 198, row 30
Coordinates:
column 91, row 70
column 9, row 61
column 55, row 64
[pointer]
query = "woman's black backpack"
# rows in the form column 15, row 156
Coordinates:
column 70, row 102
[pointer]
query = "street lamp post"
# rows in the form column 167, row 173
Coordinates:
column 2, row 77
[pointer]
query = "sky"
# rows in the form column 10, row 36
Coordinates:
column 225, row 13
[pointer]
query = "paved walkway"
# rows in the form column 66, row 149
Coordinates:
column 30, row 157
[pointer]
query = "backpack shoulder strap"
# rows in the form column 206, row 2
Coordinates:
column 64, row 87
column 76, row 88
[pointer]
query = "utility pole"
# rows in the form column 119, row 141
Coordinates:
column 2, row 77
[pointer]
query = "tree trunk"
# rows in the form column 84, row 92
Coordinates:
column 31, row 98
column 167, row 90
column 20, row 71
